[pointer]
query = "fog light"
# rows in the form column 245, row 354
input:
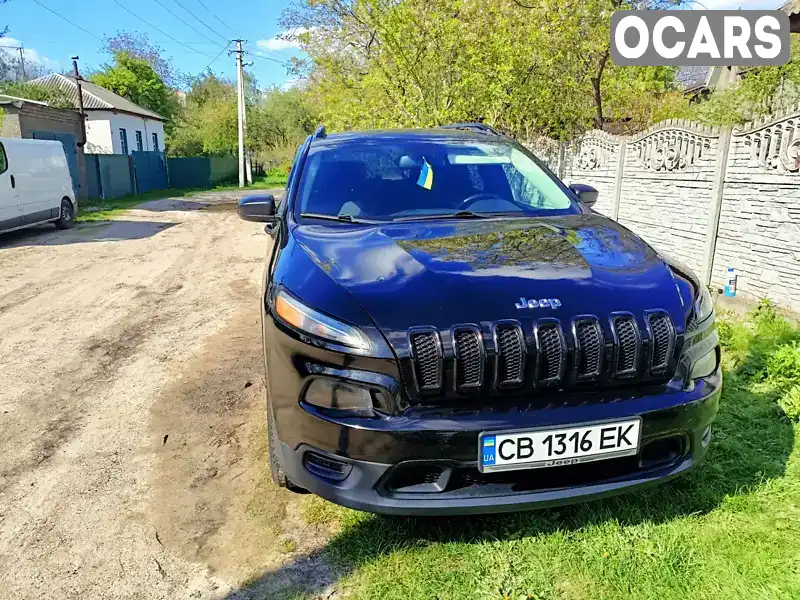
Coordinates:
column 704, row 366
column 326, row 393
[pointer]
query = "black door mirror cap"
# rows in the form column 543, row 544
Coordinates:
column 587, row 195
column 258, row 207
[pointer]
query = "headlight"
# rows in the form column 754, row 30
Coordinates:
column 703, row 305
column 293, row 312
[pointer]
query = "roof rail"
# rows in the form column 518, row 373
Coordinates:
column 320, row 132
column 479, row 127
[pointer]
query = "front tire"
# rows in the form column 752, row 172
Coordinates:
column 66, row 219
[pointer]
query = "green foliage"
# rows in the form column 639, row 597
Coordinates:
column 21, row 89
column 277, row 121
column 765, row 351
column 527, row 70
column 761, row 91
column 135, row 79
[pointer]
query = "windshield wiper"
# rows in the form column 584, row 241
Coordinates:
column 342, row 218
column 461, row 214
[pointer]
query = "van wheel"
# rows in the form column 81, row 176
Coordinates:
column 66, row 219
column 275, row 469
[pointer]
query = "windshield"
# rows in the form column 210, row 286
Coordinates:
column 404, row 180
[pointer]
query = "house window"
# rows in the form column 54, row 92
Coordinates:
column 123, row 138
column 155, row 142
column 139, row 141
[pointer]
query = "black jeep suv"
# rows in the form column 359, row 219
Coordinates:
column 450, row 329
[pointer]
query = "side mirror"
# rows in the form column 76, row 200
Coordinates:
column 585, row 193
column 259, row 208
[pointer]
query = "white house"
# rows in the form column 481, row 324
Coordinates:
column 114, row 125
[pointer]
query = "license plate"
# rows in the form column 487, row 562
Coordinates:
column 555, row 446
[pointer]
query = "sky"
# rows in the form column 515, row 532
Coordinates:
column 193, row 33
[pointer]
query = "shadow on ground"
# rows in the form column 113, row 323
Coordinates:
column 753, row 441
column 96, row 231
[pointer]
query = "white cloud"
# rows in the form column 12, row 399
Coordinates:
column 285, row 40
column 31, row 55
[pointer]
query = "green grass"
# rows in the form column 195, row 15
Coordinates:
column 728, row 530
column 115, row 206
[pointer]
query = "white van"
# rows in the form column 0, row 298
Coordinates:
column 35, row 185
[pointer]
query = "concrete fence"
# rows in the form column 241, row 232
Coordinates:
column 713, row 198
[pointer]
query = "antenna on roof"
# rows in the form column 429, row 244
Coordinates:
column 320, row 132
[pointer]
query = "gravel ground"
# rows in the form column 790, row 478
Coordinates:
column 131, row 409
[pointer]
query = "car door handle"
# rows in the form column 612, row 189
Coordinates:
column 13, row 183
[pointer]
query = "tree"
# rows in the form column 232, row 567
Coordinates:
column 277, row 121
column 135, row 79
column 22, row 89
column 528, row 68
column 138, row 45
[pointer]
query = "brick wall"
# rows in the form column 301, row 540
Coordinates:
column 674, row 179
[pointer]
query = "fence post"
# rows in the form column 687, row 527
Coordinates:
column 618, row 181
column 720, row 170
column 561, row 166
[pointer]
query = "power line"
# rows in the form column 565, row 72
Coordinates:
column 199, row 20
column 208, row 66
column 67, row 20
column 200, row 2
column 190, row 26
column 117, row 2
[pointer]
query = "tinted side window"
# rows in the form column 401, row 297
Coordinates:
column 3, row 159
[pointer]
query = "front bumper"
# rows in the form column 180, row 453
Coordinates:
column 424, row 462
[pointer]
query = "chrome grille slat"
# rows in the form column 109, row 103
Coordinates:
column 628, row 346
column 427, row 353
column 510, row 355
column 628, row 354
column 588, row 348
column 662, row 341
column 468, row 345
column 551, row 351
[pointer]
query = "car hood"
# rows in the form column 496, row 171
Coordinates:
column 451, row 272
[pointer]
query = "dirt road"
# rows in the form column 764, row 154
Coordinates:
column 131, row 409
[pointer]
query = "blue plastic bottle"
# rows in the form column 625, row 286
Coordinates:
column 730, row 282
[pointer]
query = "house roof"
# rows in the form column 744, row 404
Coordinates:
column 94, row 96
column 18, row 102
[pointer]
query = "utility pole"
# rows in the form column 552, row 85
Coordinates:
column 82, row 142
column 21, row 51
column 248, row 168
column 240, row 96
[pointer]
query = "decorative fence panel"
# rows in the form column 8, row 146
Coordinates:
column 712, row 198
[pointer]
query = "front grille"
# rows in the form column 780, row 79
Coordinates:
column 469, row 359
column 662, row 341
column 591, row 353
column 427, row 352
column 552, row 351
column 589, row 349
column 510, row 358
column 627, row 347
